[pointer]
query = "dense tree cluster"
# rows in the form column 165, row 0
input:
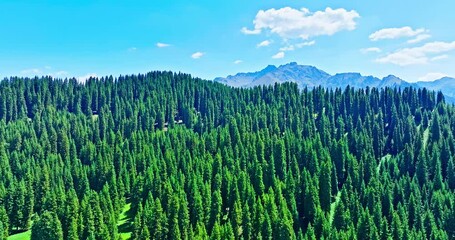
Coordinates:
column 200, row 160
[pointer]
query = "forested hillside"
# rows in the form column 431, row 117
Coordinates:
column 167, row 156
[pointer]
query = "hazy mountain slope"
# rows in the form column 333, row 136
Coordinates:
column 310, row 76
column 342, row 80
column 302, row 75
column 446, row 85
column 394, row 81
column 243, row 79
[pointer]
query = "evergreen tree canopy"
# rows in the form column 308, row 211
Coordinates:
column 164, row 155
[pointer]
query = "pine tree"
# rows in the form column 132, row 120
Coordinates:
column 311, row 203
column 2, row 232
column 70, row 222
column 174, row 231
column 216, row 232
column 449, row 224
column 422, row 168
column 228, row 232
column 280, row 159
column 451, row 174
column 365, row 227
column 414, row 211
column 101, row 229
column 46, row 227
column 217, row 204
column 285, row 227
column 237, row 219
column 429, row 224
column 397, row 227
column 341, row 216
column 267, row 231
column 325, row 188
column 4, row 222
column 184, row 218
column 435, row 128
column 173, row 221
column 145, row 234
column 319, row 222
column 310, row 235
column 385, row 231
column 313, row 163
column 437, row 181
column 159, row 222
column 247, row 225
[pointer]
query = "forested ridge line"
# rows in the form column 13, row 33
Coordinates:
column 200, row 160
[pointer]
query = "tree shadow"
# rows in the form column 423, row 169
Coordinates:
column 126, row 221
column 17, row 231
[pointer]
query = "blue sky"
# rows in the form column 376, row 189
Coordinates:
column 207, row 38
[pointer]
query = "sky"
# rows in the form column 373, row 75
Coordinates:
column 413, row 40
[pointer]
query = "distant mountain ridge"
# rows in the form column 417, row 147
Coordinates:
column 310, row 76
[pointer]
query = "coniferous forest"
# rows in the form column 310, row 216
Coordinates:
column 167, row 156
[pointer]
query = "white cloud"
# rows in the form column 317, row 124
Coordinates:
column 31, row 71
column 162, row 45
column 264, row 43
column 278, row 55
column 37, row 71
column 132, row 49
column 238, row 61
column 245, row 31
column 298, row 45
column 290, row 23
column 59, row 73
column 393, row 33
column 197, row 55
column 432, row 76
column 87, row 76
column 417, row 55
column 369, row 50
column 440, row 57
column 419, row 38
column 287, row 48
column 305, row 44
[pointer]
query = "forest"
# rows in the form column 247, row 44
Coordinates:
column 164, row 155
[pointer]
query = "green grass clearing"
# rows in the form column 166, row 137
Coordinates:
column 124, row 223
column 382, row 161
column 333, row 206
column 426, row 135
column 21, row 236
column 124, row 226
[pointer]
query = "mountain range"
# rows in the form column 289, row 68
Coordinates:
column 310, row 76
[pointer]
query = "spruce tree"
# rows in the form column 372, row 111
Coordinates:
column 325, row 188
column 46, row 227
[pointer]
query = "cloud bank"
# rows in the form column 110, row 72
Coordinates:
column 290, row 23
column 197, row 55
column 394, row 33
column 418, row 55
